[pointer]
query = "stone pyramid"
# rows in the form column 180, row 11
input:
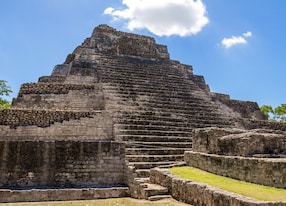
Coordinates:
column 118, row 97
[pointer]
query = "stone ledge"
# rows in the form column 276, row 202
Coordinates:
column 40, row 195
column 55, row 88
column 200, row 194
column 40, row 118
column 265, row 171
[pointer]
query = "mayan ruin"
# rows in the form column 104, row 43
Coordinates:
column 118, row 112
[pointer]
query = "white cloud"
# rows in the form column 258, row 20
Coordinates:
column 163, row 17
column 247, row 34
column 235, row 40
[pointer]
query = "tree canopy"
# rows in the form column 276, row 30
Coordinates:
column 277, row 114
column 5, row 90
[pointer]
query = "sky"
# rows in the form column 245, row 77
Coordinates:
column 238, row 46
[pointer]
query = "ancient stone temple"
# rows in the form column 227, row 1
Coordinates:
column 115, row 108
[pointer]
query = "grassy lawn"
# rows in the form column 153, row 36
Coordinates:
column 105, row 202
column 255, row 191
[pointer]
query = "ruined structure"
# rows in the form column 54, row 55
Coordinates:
column 115, row 108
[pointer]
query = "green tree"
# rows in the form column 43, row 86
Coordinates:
column 280, row 113
column 266, row 109
column 5, row 90
column 277, row 114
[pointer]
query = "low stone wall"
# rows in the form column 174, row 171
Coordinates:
column 265, row 171
column 61, row 164
column 200, row 194
column 41, row 125
column 40, row 195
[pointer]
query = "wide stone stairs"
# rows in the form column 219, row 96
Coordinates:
column 155, row 106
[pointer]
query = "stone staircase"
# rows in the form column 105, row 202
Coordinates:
column 155, row 106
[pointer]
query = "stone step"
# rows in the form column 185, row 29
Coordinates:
column 152, row 127
column 160, row 88
column 142, row 173
column 170, row 115
column 155, row 133
column 140, row 115
column 159, row 197
column 161, row 103
column 149, row 165
column 153, row 138
column 190, row 122
column 193, row 108
column 116, row 65
column 128, row 90
column 171, row 123
column 148, row 70
column 155, row 151
column 154, row 158
column 158, row 94
column 142, row 181
column 153, row 69
column 166, row 145
column 154, row 190
column 133, row 71
column 145, row 80
column 146, row 84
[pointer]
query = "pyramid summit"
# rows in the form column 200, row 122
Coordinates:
column 116, row 108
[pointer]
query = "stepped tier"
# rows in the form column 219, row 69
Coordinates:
column 124, row 87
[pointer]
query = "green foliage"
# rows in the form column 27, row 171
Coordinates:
column 266, row 109
column 4, row 104
column 5, row 90
column 280, row 113
column 277, row 114
column 259, row 192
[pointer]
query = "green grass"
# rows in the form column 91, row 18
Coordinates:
column 103, row 202
column 255, row 191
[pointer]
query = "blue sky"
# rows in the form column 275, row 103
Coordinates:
column 238, row 46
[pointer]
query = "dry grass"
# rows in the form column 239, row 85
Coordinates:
column 105, row 202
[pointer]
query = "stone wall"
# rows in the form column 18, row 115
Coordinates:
column 239, row 142
column 272, row 125
column 265, row 171
column 40, row 118
column 34, row 124
column 245, row 109
column 44, row 88
column 61, row 164
column 200, row 194
column 60, row 96
column 67, row 194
